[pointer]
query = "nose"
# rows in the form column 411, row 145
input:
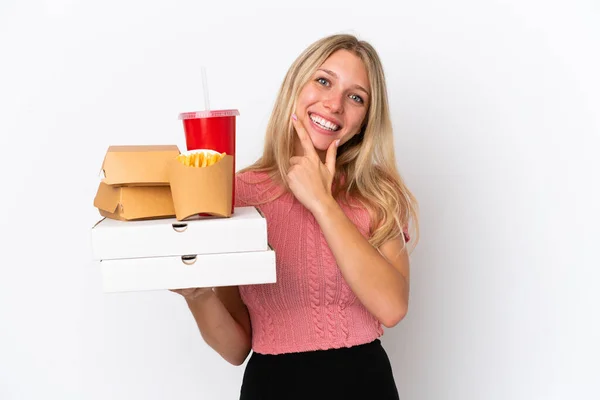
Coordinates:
column 334, row 102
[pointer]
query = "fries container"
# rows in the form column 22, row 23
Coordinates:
column 201, row 191
column 170, row 254
column 135, row 183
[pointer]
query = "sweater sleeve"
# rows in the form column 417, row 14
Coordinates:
column 242, row 191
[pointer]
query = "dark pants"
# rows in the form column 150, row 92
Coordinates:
column 359, row 372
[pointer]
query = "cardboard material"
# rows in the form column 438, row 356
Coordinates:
column 206, row 190
column 206, row 270
column 245, row 231
column 134, row 203
column 138, row 165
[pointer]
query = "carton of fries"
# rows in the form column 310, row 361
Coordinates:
column 201, row 183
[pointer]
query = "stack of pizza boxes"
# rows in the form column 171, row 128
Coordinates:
column 168, row 222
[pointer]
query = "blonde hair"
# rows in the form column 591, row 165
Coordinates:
column 366, row 162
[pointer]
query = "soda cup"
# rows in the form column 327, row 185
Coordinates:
column 212, row 130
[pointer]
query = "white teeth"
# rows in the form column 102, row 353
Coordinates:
column 323, row 122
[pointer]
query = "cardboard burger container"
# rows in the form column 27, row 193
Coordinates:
column 135, row 183
column 171, row 254
column 144, row 165
column 134, row 203
column 200, row 190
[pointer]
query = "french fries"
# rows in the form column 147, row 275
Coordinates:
column 200, row 159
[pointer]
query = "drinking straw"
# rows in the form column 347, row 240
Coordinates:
column 205, row 87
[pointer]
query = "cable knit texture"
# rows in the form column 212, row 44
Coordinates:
column 311, row 307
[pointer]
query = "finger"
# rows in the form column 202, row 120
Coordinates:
column 181, row 292
column 291, row 172
column 307, row 144
column 185, row 292
column 331, row 156
column 295, row 160
column 200, row 292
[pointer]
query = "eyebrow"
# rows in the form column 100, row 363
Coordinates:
column 337, row 77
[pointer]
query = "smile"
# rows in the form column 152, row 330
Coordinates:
column 323, row 123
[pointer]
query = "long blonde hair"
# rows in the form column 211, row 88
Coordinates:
column 366, row 162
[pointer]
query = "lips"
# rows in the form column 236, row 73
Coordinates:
column 324, row 123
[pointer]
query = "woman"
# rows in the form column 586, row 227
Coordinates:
column 337, row 214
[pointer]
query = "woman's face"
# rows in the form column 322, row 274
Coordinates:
column 334, row 103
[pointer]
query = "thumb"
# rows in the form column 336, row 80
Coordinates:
column 331, row 157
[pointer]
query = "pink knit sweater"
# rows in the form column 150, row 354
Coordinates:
column 311, row 307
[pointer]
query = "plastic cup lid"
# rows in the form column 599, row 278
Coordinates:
column 209, row 114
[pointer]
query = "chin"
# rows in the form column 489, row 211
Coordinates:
column 321, row 143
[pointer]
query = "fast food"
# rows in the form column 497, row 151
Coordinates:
column 200, row 159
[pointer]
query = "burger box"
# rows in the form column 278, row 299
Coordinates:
column 130, row 203
column 171, row 254
column 135, row 183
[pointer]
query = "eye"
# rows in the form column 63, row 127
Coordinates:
column 323, row 81
column 357, row 98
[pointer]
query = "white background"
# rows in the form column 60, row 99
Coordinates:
column 496, row 110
